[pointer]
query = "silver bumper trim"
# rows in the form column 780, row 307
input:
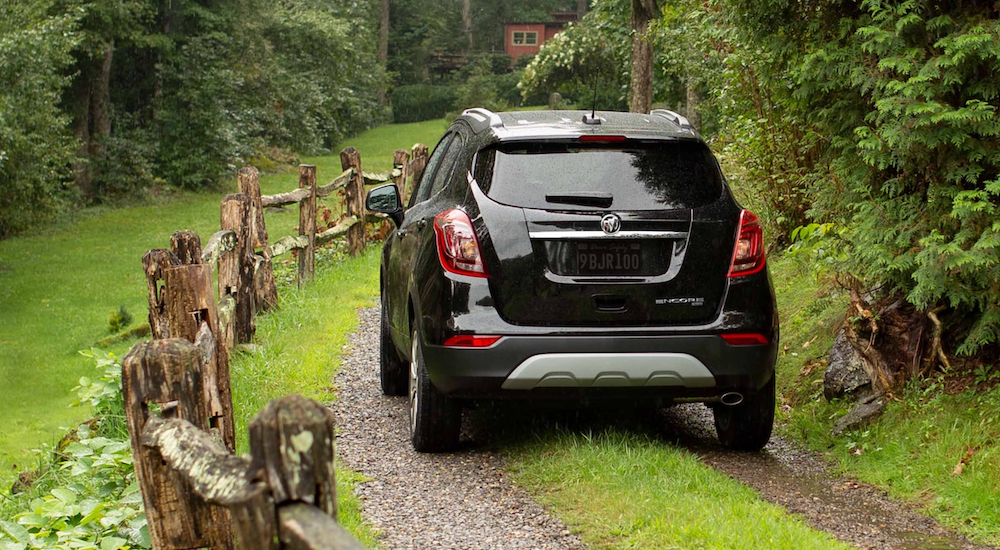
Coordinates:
column 609, row 370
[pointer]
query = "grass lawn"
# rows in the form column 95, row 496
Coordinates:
column 58, row 288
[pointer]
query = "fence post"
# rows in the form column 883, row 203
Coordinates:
column 186, row 245
column 291, row 441
column 400, row 161
column 265, row 290
column 191, row 303
column 236, row 267
column 168, row 373
column 307, row 223
column 154, row 262
column 355, row 200
column 418, row 162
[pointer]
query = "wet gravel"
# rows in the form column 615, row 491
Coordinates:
column 465, row 500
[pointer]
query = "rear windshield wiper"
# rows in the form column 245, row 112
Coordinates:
column 599, row 200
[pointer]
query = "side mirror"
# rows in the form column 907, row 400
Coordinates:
column 385, row 200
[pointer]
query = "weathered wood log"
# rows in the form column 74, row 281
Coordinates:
column 291, row 441
column 304, row 527
column 375, row 218
column 292, row 197
column 354, row 199
column 285, row 199
column 168, row 373
column 191, row 302
column 307, row 223
column 378, row 178
column 186, row 245
column 418, row 162
column 265, row 290
column 153, row 263
column 400, row 160
column 219, row 243
column 216, row 475
column 336, row 231
column 236, row 269
column 227, row 305
column 288, row 243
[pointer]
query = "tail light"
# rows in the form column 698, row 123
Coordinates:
column 457, row 246
column 748, row 254
column 751, row 339
column 471, row 341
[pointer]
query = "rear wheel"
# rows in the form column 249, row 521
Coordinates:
column 392, row 369
column 747, row 426
column 435, row 420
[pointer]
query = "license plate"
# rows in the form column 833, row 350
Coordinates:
column 609, row 258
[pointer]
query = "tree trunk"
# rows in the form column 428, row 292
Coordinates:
column 693, row 99
column 467, row 22
column 81, row 129
column 100, row 96
column 641, row 89
column 383, row 47
column 581, row 9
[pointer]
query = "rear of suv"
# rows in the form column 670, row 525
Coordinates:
column 564, row 257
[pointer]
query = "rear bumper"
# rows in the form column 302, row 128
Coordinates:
column 601, row 366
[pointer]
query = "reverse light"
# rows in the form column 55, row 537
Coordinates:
column 751, row 339
column 748, row 254
column 471, row 341
column 457, row 246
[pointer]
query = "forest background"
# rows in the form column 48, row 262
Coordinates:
column 864, row 134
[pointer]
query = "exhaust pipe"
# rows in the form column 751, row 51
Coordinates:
column 731, row 398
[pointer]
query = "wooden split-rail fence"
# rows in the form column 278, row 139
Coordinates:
column 197, row 492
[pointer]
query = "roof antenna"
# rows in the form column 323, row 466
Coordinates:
column 593, row 119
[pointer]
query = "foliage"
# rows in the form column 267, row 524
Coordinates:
column 35, row 148
column 486, row 82
column 419, row 102
column 91, row 500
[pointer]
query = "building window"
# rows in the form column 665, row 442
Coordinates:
column 525, row 38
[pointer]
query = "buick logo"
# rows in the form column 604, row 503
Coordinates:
column 611, row 223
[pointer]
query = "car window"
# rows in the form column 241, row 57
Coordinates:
column 448, row 164
column 623, row 176
column 423, row 190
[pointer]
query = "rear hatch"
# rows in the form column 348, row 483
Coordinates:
column 626, row 233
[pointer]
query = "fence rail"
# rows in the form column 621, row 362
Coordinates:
column 197, row 492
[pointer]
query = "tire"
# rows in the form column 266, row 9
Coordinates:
column 747, row 426
column 435, row 420
column 392, row 370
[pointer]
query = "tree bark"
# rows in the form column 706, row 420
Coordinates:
column 100, row 95
column 693, row 100
column 81, row 130
column 581, row 9
column 383, row 47
column 641, row 89
column 467, row 23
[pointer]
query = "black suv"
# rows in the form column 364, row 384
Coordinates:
column 562, row 256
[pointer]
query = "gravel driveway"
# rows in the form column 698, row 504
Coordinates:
column 465, row 500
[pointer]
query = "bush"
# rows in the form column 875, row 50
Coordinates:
column 419, row 102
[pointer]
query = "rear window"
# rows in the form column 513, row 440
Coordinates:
column 623, row 176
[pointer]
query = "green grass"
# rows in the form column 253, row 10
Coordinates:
column 913, row 450
column 57, row 289
column 625, row 490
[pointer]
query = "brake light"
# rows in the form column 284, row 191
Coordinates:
column 471, row 341
column 745, row 339
column 748, row 254
column 602, row 139
column 457, row 246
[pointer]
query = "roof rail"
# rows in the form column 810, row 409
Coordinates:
column 673, row 117
column 482, row 119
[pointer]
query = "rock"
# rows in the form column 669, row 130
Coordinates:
column 555, row 100
column 845, row 372
column 863, row 412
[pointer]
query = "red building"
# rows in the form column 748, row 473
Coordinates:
column 527, row 37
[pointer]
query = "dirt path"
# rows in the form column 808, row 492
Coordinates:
column 465, row 500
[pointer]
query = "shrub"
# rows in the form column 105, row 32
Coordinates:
column 418, row 102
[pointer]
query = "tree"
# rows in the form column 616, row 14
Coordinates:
column 641, row 83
